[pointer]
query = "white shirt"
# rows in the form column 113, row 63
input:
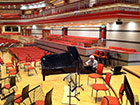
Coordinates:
column 93, row 63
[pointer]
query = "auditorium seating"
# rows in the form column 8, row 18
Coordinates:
column 33, row 52
column 8, row 41
column 10, row 16
column 74, row 40
column 122, row 49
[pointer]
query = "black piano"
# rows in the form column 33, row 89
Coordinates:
column 60, row 63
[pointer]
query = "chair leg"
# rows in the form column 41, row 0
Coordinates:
column 105, row 93
column 95, row 80
column 96, row 96
column 88, row 80
column 35, row 71
column 109, row 92
column 19, row 76
column 92, row 92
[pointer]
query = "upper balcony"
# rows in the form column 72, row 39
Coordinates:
column 76, row 8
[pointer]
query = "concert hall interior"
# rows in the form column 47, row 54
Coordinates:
column 45, row 46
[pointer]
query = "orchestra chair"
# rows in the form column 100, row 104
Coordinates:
column 111, row 100
column 96, row 54
column 101, row 53
column 12, row 61
column 11, row 85
column 10, row 64
column 102, row 86
column 47, row 101
column 96, row 75
column 31, row 68
column 19, row 98
column 15, row 73
column 27, row 63
column 104, row 58
column 13, row 69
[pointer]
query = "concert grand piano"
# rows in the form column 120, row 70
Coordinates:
column 60, row 63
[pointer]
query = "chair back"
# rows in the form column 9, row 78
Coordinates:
column 12, row 81
column 48, row 98
column 101, row 53
column 105, row 101
column 96, row 51
column 17, row 69
column 25, row 93
column 106, row 53
column 121, row 91
column 100, row 68
column 12, row 59
column 28, row 59
column 108, row 78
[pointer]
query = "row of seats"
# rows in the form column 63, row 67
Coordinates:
column 10, row 16
column 33, row 52
column 123, row 49
column 12, row 33
column 107, row 2
column 8, row 41
column 74, row 40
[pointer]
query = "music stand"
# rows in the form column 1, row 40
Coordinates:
column 71, row 81
column 77, row 62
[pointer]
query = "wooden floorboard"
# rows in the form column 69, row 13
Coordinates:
column 56, row 82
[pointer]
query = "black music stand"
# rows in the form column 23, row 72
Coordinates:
column 72, row 87
column 77, row 62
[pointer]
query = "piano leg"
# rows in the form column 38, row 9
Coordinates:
column 43, row 77
column 43, row 74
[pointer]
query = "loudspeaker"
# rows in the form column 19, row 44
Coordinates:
column 119, row 22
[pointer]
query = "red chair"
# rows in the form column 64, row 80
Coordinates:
column 110, row 100
column 102, row 87
column 104, row 58
column 96, row 75
column 96, row 54
column 10, row 64
column 47, row 101
column 12, row 61
column 11, row 85
column 31, row 68
column 21, row 97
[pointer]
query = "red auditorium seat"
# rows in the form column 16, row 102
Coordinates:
column 102, row 87
column 96, row 75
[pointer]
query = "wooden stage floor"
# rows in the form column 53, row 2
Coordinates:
column 56, row 82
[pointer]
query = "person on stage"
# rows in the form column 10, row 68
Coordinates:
column 91, row 64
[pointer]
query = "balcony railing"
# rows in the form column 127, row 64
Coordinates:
column 81, row 5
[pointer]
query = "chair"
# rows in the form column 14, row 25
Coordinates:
column 96, row 75
column 10, row 64
column 96, row 54
column 104, row 58
column 12, row 61
column 102, row 87
column 15, row 72
column 21, row 97
column 11, row 84
column 47, row 101
column 32, row 68
column 110, row 100
column 27, row 63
